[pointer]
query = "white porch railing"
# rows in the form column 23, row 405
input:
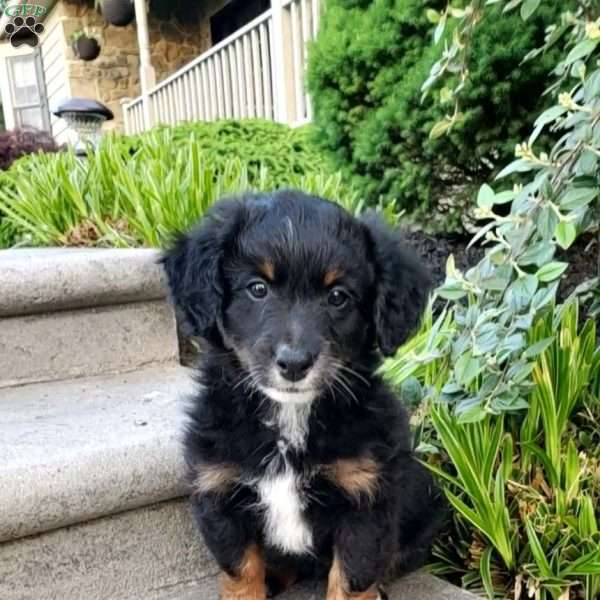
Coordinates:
column 256, row 72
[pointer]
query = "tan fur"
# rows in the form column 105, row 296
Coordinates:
column 332, row 275
column 358, row 477
column 339, row 589
column 214, row 478
column 250, row 584
column 267, row 268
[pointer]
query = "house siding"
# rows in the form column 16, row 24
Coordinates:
column 54, row 60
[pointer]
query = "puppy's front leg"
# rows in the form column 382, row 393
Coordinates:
column 362, row 543
column 229, row 538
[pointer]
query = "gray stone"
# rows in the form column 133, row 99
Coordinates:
column 49, row 279
column 75, row 450
column 86, row 342
column 417, row 586
column 140, row 554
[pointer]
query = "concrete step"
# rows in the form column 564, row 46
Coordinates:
column 417, row 586
column 79, row 449
column 91, row 410
column 76, row 313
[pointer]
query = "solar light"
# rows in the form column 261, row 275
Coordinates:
column 85, row 118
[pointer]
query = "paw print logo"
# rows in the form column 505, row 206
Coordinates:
column 24, row 31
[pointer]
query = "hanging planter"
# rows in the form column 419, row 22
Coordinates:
column 119, row 13
column 85, row 47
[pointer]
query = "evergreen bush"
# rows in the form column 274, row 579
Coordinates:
column 365, row 74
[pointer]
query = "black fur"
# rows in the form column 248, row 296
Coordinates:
column 385, row 290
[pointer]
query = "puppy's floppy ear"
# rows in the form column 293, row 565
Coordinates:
column 402, row 286
column 193, row 267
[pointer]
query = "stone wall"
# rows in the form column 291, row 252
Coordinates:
column 114, row 75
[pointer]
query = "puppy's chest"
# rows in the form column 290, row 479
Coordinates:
column 282, row 491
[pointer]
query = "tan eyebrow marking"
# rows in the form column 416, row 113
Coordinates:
column 332, row 275
column 267, row 268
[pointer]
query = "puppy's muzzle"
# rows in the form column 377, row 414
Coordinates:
column 293, row 364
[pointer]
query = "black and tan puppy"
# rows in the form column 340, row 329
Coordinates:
column 299, row 457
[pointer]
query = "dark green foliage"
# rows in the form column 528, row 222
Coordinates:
column 366, row 70
column 255, row 142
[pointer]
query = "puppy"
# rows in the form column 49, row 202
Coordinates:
column 298, row 455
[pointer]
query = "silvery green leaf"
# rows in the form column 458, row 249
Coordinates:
column 528, row 8
column 587, row 164
column 518, row 166
column 411, row 392
column 537, row 254
column 486, row 196
column 523, row 322
column 520, row 371
column 424, row 448
column 466, row 369
column 581, row 50
column 452, row 388
column 513, row 343
column 544, row 296
column 544, row 119
column 537, row 348
column 547, row 222
column 452, row 290
column 470, row 411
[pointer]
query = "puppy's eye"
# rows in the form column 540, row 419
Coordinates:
column 258, row 289
column 337, row 297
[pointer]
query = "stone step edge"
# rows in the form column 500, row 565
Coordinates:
column 51, row 279
column 76, row 450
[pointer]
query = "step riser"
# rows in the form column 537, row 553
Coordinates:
column 140, row 554
column 86, row 342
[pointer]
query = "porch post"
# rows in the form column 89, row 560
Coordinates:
column 147, row 73
column 281, row 52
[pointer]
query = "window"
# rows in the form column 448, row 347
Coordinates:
column 29, row 104
column 234, row 16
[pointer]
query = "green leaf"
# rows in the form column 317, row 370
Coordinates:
column 565, row 234
column 452, row 290
column 485, row 197
column 578, row 197
column 485, row 571
column 518, row 166
column 466, row 369
column 538, row 347
column 537, row 551
column 537, row 254
column 582, row 50
column 552, row 271
column 528, row 8
column 439, row 30
column 433, row 16
column 440, row 129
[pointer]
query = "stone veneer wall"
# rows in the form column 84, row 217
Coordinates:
column 114, row 75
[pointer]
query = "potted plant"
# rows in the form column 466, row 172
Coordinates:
column 84, row 46
column 117, row 12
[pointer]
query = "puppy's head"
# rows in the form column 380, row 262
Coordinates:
column 300, row 290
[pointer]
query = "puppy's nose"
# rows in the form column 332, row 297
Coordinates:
column 293, row 363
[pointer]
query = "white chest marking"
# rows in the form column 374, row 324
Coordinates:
column 285, row 525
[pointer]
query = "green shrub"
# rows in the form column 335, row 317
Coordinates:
column 366, row 70
column 141, row 190
column 523, row 488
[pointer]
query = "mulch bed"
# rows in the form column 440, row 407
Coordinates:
column 582, row 258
